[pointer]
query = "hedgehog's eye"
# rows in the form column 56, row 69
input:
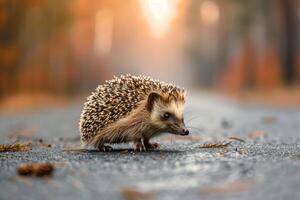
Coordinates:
column 166, row 115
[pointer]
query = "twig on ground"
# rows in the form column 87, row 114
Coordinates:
column 14, row 147
column 215, row 145
column 237, row 139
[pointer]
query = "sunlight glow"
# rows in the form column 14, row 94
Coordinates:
column 159, row 14
column 103, row 31
column 209, row 12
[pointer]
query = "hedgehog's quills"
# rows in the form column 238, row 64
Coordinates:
column 132, row 108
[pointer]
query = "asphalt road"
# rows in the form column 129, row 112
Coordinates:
column 265, row 166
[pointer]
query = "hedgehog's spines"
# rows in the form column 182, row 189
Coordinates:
column 116, row 98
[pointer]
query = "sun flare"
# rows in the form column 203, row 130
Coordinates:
column 209, row 12
column 159, row 14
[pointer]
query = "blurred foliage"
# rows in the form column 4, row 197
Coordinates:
column 25, row 26
column 49, row 45
column 245, row 47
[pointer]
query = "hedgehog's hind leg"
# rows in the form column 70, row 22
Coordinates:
column 98, row 141
column 105, row 148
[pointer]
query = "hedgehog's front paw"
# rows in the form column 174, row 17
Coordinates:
column 105, row 148
column 140, row 147
column 152, row 145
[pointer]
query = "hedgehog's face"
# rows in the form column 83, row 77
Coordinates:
column 167, row 114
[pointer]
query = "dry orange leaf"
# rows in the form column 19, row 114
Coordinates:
column 215, row 145
column 237, row 139
column 257, row 134
column 133, row 194
column 75, row 150
column 36, row 169
column 269, row 120
column 43, row 145
column 239, row 186
column 14, row 147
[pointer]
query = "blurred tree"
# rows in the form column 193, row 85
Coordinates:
column 243, row 48
column 289, row 15
column 26, row 30
column 10, row 20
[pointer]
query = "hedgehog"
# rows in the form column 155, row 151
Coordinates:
column 132, row 109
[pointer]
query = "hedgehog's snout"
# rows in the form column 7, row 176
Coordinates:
column 185, row 131
column 179, row 128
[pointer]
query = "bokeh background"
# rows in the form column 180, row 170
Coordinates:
column 53, row 51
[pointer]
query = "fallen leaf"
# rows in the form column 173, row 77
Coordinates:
column 133, row 194
column 239, row 186
column 257, row 134
column 215, row 145
column 14, row 147
column 36, row 169
column 269, row 119
column 75, row 150
column 42, row 144
column 237, row 139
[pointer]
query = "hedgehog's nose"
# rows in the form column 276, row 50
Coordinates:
column 185, row 131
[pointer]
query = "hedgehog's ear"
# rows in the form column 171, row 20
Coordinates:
column 152, row 98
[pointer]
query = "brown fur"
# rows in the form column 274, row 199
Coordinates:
column 131, row 108
column 140, row 125
column 134, row 127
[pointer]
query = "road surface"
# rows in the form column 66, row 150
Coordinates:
column 265, row 166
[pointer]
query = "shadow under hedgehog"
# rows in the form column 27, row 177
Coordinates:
column 132, row 109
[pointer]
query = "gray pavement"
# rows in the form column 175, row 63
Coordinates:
column 266, row 167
